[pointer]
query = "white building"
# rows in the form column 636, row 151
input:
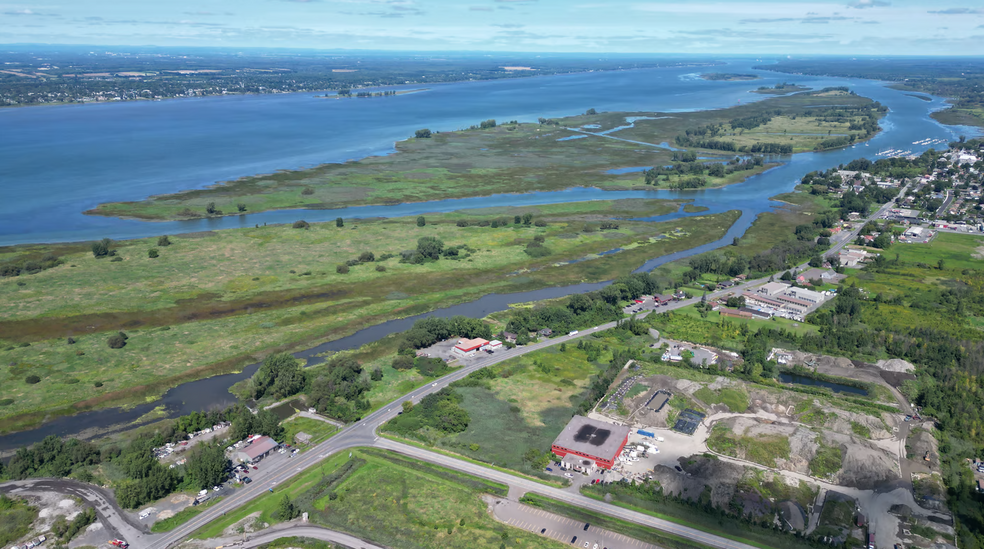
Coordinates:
column 467, row 348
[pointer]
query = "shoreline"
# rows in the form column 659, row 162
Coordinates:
column 404, row 146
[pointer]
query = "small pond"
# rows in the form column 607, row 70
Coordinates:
column 836, row 387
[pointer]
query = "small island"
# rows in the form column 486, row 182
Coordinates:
column 781, row 89
column 348, row 94
column 729, row 77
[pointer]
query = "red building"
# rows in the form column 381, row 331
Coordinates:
column 595, row 442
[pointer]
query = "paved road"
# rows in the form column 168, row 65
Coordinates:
column 362, row 433
column 117, row 522
column 294, row 529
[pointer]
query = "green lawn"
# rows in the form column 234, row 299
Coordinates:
column 763, row 450
column 958, row 251
column 686, row 324
column 395, row 501
column 320, row 431
column 735, row 399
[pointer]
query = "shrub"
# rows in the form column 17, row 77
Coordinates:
column 32, row 379
column 71, row 341
column 421, row 221
column 539, row 223
column 71, row 381
column 101, row 248
column 352, row 262
column 422, row 133
column 116, row 259
column 117, row 340
column 462, row 223
column 301, row 224
column 403, row 362
column 152, row 253
column 380, row 268
column 211, row 209
column 308, row 191
column 163, row 241
column 339, row 222
column 241, row 207
column 367, row 257
column 342, row 269
column 97, row 384
column 6, row 401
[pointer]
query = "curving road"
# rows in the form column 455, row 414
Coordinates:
column 363, row 433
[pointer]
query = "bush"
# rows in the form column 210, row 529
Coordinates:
column 539, row 223
column 116, row 259
column 101, row 248
column 71, row 341
column 380, row 268
column 342, row 269
column 117, row 341
column 422, row 133
column 402, row 362
column 301, row 224
column 462, row 223
column 241, row 207
column 421, row 221
column 211, row 209
column 308, row 191
column 367, row 257
column 152, row 253
column 163, row 241
column 339, row 222
column 32, row 379
column 97, row 384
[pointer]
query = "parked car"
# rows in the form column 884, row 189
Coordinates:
column 549, row 468
column 586, row 526
column 247, row 480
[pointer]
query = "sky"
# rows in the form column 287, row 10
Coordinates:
column 852, row 27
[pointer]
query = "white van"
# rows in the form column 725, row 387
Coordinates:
column 574, row 333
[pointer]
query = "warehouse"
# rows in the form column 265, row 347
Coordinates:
column 255, row 451
column 467, row 348
column 587, row 440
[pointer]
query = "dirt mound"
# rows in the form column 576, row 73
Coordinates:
column 895, row 365
column 864, row 465
column 249, row 523
column 721, row 477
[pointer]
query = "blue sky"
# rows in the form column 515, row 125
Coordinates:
column 858, row 27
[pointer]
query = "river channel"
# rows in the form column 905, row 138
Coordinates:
column 907, row 121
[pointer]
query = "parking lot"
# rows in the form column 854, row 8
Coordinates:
column 561, row 528
column 167, row 508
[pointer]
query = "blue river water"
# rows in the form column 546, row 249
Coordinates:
column 56, row 162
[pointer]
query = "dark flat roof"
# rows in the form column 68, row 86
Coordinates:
column 592, row 437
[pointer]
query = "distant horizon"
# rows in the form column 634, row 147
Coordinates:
column 698, row 27
column 397, row 52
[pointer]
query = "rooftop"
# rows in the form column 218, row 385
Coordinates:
column 469, row 344
column 592, row 437
column 259, row 447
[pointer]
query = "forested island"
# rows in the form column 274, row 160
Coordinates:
column 729, row 77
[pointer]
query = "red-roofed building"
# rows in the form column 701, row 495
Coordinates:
column 256, row 450
column 468, row 347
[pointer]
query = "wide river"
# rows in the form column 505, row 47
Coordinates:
column 56, row 162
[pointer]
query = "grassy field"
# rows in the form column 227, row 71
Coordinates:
column 735, row 399
column 958, row 251
column 686, row 324
column 320, row 431
column 181, row 517
column 504, row 159
column 796, row 127
column 764, row 450
column 218, row 301
column 526, row 407
column 395, row 501
column 16, row 517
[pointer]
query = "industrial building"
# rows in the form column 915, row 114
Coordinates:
column 469, row 347
column 587, row 442
column 255, row 451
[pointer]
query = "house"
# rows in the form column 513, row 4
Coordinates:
column 493, row 345
column 661, row 299
column 772, row 288
column 256, row 450
column 827, row 276
column 466, row 348
column 546, row 332
column 725, row 284
column 509, row 336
